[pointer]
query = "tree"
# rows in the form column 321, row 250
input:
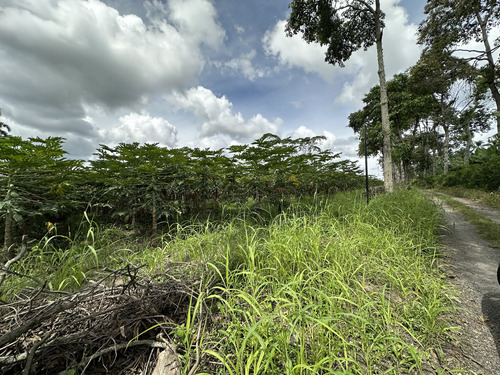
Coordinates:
column 35, row 178
column 442, row 75
column 4, row 128
column 138, row 176
column 345, row 26
column 407, row 109
column 451, row 24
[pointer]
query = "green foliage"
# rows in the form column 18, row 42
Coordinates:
column 344, row 28
column 36, row 181
column 452, row 24
column 66, row 263
column 174, row 184
column 151, row 187
column 483, row 173
column 331, row 286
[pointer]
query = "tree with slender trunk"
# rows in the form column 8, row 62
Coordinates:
column 444, row 76
column 345, row 26
column 452, row 24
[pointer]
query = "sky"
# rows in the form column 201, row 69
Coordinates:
column 195, row 73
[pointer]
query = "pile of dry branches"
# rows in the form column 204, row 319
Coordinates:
column 119, row 325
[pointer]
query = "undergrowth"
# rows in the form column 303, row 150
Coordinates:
column 331, row 286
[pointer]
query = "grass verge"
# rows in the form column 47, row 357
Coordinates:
column 332, row 286
column 335, row 287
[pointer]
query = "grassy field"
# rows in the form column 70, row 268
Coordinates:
column 331, row 286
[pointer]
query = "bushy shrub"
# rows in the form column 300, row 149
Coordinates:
column 482, row 173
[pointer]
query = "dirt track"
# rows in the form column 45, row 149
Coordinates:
column 472, row 265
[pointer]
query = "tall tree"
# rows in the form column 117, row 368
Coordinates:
column 442, row 75
column 451, row 24
column 345, row 26
column 407, row 109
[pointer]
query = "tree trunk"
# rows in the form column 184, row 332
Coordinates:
column 434, row 162
column 154, row 215
column 446, row 148
column 402, row 176
column 489, row 74
column 468, row 146
column 384, row 104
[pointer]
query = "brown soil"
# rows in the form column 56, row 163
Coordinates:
column 471, row 264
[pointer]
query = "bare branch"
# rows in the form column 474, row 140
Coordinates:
column 9, row 263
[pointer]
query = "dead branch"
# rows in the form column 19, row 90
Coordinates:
column 10, row 262
column 56, row 309
column 31, row 355
column 99, row 319
column 117, row 347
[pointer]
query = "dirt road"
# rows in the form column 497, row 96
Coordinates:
column 472, row 265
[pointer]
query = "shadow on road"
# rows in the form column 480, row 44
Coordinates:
column 491, row 313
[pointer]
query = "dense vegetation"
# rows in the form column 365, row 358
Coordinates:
column 329, row 286
column 254, row 258
column 482, row 173
column 148, row 187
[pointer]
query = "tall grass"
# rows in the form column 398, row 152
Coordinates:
column 67, row 262
column 331, row 286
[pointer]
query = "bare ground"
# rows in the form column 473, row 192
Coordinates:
column 471, row 264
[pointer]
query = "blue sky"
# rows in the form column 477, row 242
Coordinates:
column 199, row 73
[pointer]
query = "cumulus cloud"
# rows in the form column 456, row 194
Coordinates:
column 142, row 128
column 243, row 65
column 348, row 147
column 400, row 52
column 218, row 116
column 59, row 56
column 400, row 49
column 294, row 52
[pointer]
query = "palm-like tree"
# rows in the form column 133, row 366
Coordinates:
column 4, row 128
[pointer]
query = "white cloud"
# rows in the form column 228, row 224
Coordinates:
column 244, row 66
column 215, row 142
column 295, row 52
column 196, row 21
column 142, row 128
column 239, row 29
column 219, row 118
column 59, row 56
column 347, row 146
column 303, row 132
